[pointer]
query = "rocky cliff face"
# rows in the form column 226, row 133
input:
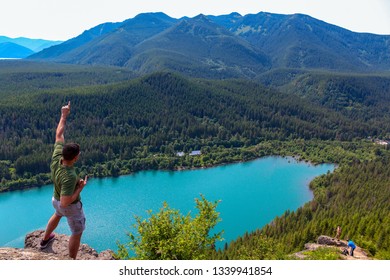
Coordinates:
column 56, row 250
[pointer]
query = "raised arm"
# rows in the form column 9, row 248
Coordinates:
column 65, row 111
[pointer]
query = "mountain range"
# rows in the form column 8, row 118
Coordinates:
column 23, row 47
column 12, row 50
column 224, row 46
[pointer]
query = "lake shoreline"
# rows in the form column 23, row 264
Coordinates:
column 180, row 168
column 258, row 191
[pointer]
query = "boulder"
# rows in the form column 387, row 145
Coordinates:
column 27, row 254
column 56, row 250
column 326, row 240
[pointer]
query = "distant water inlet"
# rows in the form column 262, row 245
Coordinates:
column 251, row 193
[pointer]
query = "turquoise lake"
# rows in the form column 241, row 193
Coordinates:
column 251, row 194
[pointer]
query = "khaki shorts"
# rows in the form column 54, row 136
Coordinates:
column 74, row 214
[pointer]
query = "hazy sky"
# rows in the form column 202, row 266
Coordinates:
column 64, row 19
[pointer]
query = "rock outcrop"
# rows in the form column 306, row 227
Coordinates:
column 326, row 241
column 56, row 250
column 26, row 254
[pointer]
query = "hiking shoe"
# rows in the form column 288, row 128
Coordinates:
column 44, row 243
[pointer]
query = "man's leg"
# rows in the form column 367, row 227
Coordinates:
column 74, row 244
column 77, row 226
column 51, row 225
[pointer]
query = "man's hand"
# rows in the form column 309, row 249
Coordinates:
column 65, row 110
column 83, row 182
column 65, row 200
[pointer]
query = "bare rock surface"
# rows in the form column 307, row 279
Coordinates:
column 325, row 241
column 56, row 250
column 27, row 254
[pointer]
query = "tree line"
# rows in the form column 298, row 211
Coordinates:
column 142, row 123
column 158, row 115
column 356, row 196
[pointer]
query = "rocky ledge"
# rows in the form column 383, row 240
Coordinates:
column 326, row 241
column 56, row 250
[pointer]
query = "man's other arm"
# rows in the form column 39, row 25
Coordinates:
column 65, row 200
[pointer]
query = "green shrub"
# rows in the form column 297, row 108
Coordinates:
column 169, row 235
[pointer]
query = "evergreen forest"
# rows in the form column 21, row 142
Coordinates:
column 125, row 123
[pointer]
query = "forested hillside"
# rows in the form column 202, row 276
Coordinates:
column 300, row 41
column 355, row 196
column 121, row 125
column 198, row 47
column 357, row 96
column 126, row 123
column 18, row 78
column 108, row 43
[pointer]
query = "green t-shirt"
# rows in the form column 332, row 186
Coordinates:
column 64, row 178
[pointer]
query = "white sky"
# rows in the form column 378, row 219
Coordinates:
column 64, row 19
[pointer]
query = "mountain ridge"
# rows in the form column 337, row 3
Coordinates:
column 35, row 45
column 12, row 50
column 118, row 38
column 298, row 37
column 279, row 41
column 210, row 48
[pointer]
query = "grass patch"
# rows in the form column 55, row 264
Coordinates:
column 323, row 254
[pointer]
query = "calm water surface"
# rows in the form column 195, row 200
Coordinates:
column 252, row 194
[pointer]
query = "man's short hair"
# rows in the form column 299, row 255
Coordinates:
column 70, row 151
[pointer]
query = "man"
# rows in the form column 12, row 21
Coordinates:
column 352, row 245
column 67, row 188
column 338, row 233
